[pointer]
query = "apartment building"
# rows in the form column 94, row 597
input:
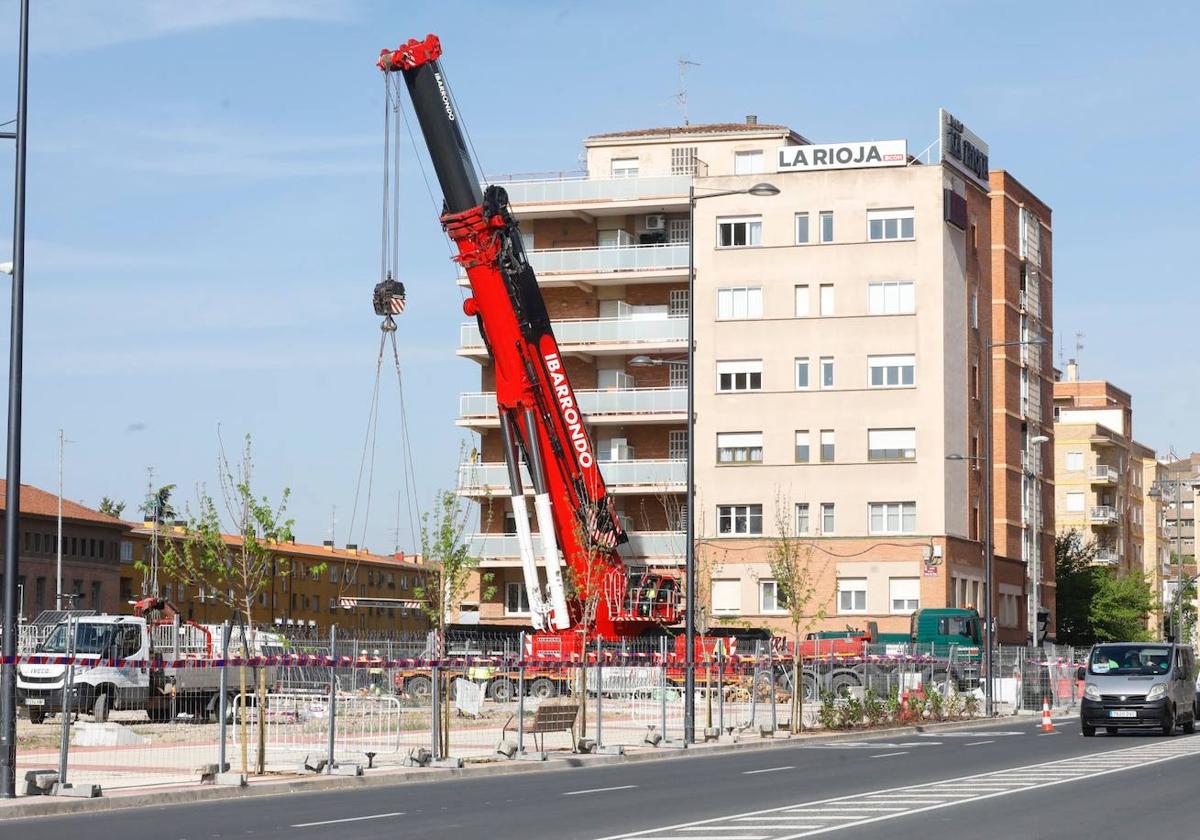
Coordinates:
column 841, row 329
column 1181, row 518
column 91, row 546
column 311, row 586
column 1101, row 472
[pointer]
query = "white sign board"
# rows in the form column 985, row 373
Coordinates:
column 841, row 156
column 963, row 149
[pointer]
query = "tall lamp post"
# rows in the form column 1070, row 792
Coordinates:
column 761, row 190
column 8, row 672
column 988, row 552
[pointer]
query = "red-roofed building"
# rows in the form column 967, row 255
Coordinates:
column 93, row 545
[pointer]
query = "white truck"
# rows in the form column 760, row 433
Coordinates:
column 161, row 690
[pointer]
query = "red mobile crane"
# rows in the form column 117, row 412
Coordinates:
column 539, row 415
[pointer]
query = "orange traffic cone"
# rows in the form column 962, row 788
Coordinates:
column 1047, row 724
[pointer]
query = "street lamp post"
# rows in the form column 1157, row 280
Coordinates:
column 1159, row 490
column 988, row 552
column 761, row 190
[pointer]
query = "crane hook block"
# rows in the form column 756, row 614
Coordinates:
column 389, row 297
column 470, row 307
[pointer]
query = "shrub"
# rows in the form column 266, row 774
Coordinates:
column 827, row 714
column 850, row 713
column 874, row 709
column 937, row 706
column 971, row 705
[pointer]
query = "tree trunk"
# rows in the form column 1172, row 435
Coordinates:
column 797, row 712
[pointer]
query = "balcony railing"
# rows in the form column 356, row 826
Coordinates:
column 594, row 403
column 476, row 478
column 584, row 189
column 599, row 331
column 1106, row 557
column 627, row 258
column 1102, row 474
column 641, row 544
column 1103, row 514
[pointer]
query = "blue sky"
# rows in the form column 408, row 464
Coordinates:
column 204, row 204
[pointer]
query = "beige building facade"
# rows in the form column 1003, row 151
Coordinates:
column 840, row 332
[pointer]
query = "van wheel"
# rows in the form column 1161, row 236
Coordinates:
column 543, row 688
column 1189, row 728
column 1088, row 731
column 1168, row 725
column 100, row 708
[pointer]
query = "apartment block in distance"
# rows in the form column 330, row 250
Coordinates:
column 1101, row 470
column 840, row 328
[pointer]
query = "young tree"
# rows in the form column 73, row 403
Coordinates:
column 110, row 507
column 797, row 590
column 1096, row 603
column 449, row 568
column 1075, row 578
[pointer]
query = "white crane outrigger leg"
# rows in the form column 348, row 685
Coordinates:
column 561, row 618
column 533, row 585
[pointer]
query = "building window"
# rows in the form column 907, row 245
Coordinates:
column 827, row 371
column 739, row 302
column 747, row 163
column 1075, row 502
column 852, row 595
column 828, row 523
column 801, row 228
column 891, row 444
column 904, row 594
column 739, row 447
column 678, row 305
column 126, row 551
column 677, row 374
column 624, row 167
column 827, row 299
column 826, row 219
column 891, row 297
column 975, row 308
column 683, row 160
column 740, row 376
column 891, row 371
column 827, row 445
column 802, row 523
column 739, row 519
column 676, row 444
column 679, row 231
column 802, row 446
column 1075, row 461
column 892, row 517
column 802, row 310
column 727, row 596
column 516, row 599
column 890, row 224
column 739, row 232
column 771, row 598
column 801, row 374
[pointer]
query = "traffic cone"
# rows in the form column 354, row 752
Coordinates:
column 1047, row 724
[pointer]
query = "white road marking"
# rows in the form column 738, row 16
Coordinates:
column 349, row 819
column 598, row 790
column 834, row 814
column 978, row 743
column 769, row 770
column 974, row 734
column 889, row 755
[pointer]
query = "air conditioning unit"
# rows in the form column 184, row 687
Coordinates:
column 656, row 221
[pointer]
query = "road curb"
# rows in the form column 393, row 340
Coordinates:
column 47, row 806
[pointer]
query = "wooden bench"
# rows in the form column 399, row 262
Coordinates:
column 549, row 717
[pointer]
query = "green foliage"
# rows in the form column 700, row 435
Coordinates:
column 1094, row 603
column 850, row 713
column 892, row 705
column 235, row 556
column 914, row 707
column 970, row 705
column 110, row 507
column 937, row 706
column 874, row 709
column 827, row 712
column 158, row 506
column 447, row 559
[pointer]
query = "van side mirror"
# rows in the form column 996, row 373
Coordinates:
column 1081, row 673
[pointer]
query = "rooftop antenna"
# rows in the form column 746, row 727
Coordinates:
column 681, row 98
column 333, row 525
column 1079, row 337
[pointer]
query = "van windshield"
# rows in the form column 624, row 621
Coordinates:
column 1130, row 660
column 89, row 638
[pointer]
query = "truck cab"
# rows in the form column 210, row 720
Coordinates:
column 951, row 634
column 98, row 687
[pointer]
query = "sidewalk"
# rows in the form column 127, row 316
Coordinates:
column 152, row 794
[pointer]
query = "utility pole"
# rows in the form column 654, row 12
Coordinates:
column 58, row 587
column 12, row 519
column 681, row 98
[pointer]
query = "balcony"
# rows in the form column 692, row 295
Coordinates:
column 502, row 549
column 1102, row 474
column 597, row 192
column 1102, row 515
column 596, row 335
column 627, row 263
column 1106, row 557
column 635, row 405
column 637, row 476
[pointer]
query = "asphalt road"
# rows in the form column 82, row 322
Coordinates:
column 1004, row 781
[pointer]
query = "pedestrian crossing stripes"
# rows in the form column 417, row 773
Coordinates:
column 828, row 815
